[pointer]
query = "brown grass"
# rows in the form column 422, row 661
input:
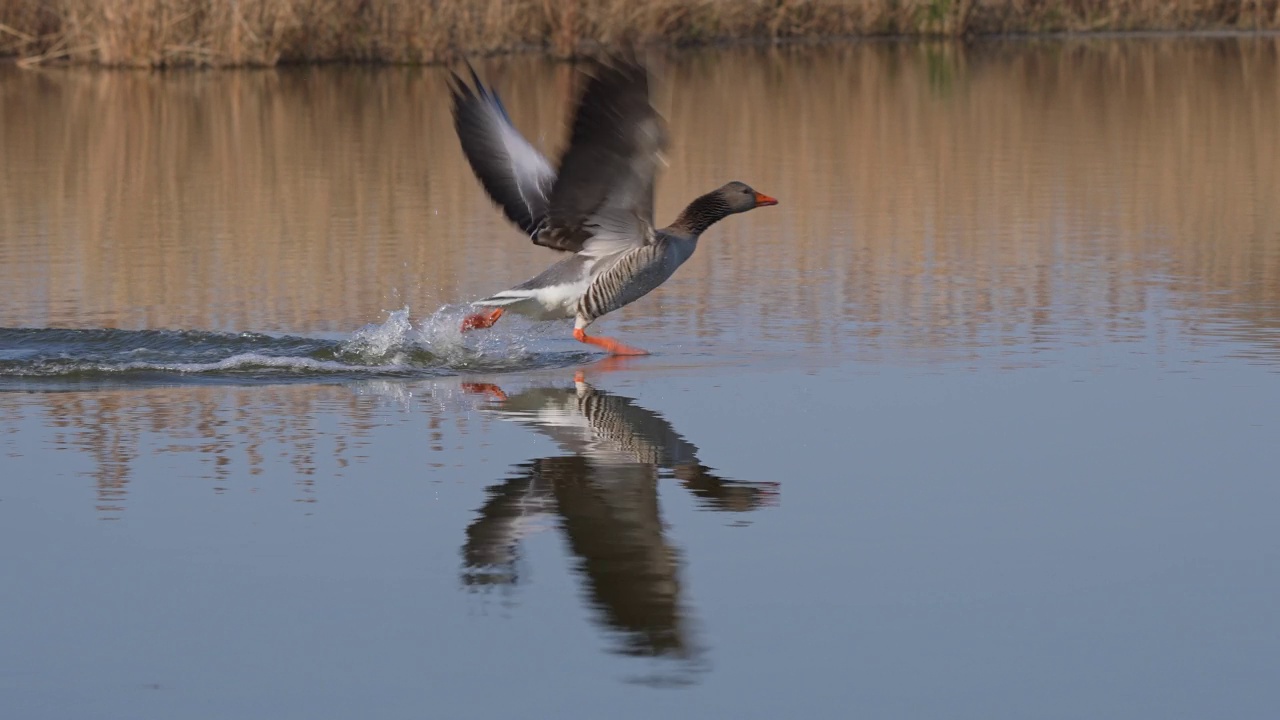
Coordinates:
column 160, row 33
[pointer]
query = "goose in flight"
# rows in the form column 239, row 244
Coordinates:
column 598, row 207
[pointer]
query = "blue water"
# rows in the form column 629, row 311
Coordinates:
column 1052, row 542
column 43, row 357
column 988, row 431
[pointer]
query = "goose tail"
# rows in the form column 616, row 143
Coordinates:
column 503, row 299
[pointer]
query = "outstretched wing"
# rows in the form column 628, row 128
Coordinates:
column 512, row 171
column 602, row 201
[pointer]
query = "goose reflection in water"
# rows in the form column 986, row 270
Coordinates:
column 603, row 490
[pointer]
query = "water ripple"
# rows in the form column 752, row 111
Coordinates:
column 394, row 348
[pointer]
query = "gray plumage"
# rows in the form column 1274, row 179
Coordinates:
column 512, row 171
column 600, row 204
column 631, row 276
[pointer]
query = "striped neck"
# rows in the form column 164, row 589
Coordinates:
column 702, row 213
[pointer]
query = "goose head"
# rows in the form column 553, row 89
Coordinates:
column 728, row 199
column 740, row 197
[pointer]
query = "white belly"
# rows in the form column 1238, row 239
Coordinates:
column 553, row 302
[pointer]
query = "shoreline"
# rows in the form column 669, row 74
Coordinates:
column 818, row 41
column 266, row 33
column 585, row 48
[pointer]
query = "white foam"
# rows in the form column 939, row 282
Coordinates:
column 439, row 334
column 245, row 361
column 377, row 339
column 442, row 335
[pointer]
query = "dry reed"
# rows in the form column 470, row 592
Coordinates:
column 161, row 33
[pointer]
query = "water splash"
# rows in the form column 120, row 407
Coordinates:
column 379, row 340
column 395, row 347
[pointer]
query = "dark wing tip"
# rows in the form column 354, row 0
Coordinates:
column 619, row 67
column 465, row 92
column 615, row 92
column 459, row 91
column 474, row 88
column 475, row 77
column 484, row 129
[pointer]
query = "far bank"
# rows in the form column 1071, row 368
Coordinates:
column 168, row 33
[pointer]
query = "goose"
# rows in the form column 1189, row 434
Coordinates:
column 598, row 207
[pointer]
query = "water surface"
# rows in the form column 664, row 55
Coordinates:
column 980, row 421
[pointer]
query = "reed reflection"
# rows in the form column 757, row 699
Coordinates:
column 941, row 197
column 601, row 490
column 235, row 438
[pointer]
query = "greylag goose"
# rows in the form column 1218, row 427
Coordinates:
column 598, row 207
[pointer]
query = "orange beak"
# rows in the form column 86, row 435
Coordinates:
column 762, row 200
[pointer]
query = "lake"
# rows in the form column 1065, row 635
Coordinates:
column 979, row 422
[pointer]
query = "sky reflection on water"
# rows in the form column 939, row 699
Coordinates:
column 980, row 423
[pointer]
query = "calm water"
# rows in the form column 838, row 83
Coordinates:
column 981, row 421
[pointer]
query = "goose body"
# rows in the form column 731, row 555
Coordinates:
column 587, row 288
column 598, row 207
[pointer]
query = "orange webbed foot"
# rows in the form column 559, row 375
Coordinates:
column 613, row 347
column 479, row 321
column 483, row 388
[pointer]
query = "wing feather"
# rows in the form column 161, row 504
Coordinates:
column 602, row 201
column 517, row 177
